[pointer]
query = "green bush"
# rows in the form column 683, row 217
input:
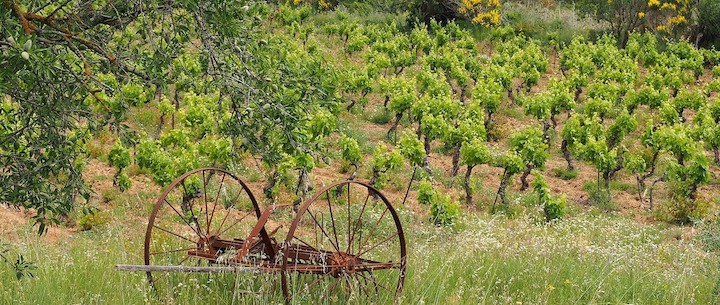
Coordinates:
column 91, row 219
column 425, row 192
column 443, row 211
column 555, row 208
column 716, row 71
column 682, row 210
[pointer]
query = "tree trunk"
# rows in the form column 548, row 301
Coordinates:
column 546, row 132
column 641, row 190
column 177, row 108
column 426, row 158
column 456, row 160
column 468, row 189
column 716, row 153
column 303, row 187
column 160, row 126
column 375, row 177
column 354, row 173
column 566, row 155
column 398, row 117
column 501, row 190
column 268, row 189
column 523, row 178
column 488, row 124
column 652, row 187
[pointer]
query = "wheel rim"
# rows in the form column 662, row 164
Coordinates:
column 346, row 244
column 195, row 210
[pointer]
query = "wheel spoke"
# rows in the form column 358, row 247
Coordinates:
column 332, row 287
column 235, row 223
column 380, row 243
column 323, row 230
column 183, row 218
column 172, row 251
column 313, row 283
column 207, row 215
column 357, row 223
column 362, row 287
column 377, row 285
column 332, row 219
column 348, row 289
column 172, row 233
column 303, row 242
column 227, row 214
column 215, row 202
column 367, row 239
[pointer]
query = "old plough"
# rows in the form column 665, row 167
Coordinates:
column 344, row 243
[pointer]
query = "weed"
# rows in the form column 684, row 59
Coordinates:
column 91, row 219
column 599, row 196
column 379, row 115
column 565, row 174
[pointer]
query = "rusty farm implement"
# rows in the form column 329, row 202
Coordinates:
column 344, row 243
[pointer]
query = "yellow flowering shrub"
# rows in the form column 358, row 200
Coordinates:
column 485, row 12
column 668, row 17
column 321, row 4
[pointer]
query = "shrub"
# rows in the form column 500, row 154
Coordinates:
column 425, row 192
column 555, row 208
column 91, row 219
column 443, row 211
column 682, row 210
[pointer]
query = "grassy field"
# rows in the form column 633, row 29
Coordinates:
column 586, row 259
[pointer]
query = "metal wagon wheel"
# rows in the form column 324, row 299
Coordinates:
column 195, row 223
column 346, row 245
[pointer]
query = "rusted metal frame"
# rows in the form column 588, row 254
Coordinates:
column 162, row 201
column 308, row 268
column 259, row 229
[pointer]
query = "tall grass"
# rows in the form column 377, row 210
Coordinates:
column 484, row 260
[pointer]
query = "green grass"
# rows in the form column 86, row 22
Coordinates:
column 565, row 174
column 483, row 260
